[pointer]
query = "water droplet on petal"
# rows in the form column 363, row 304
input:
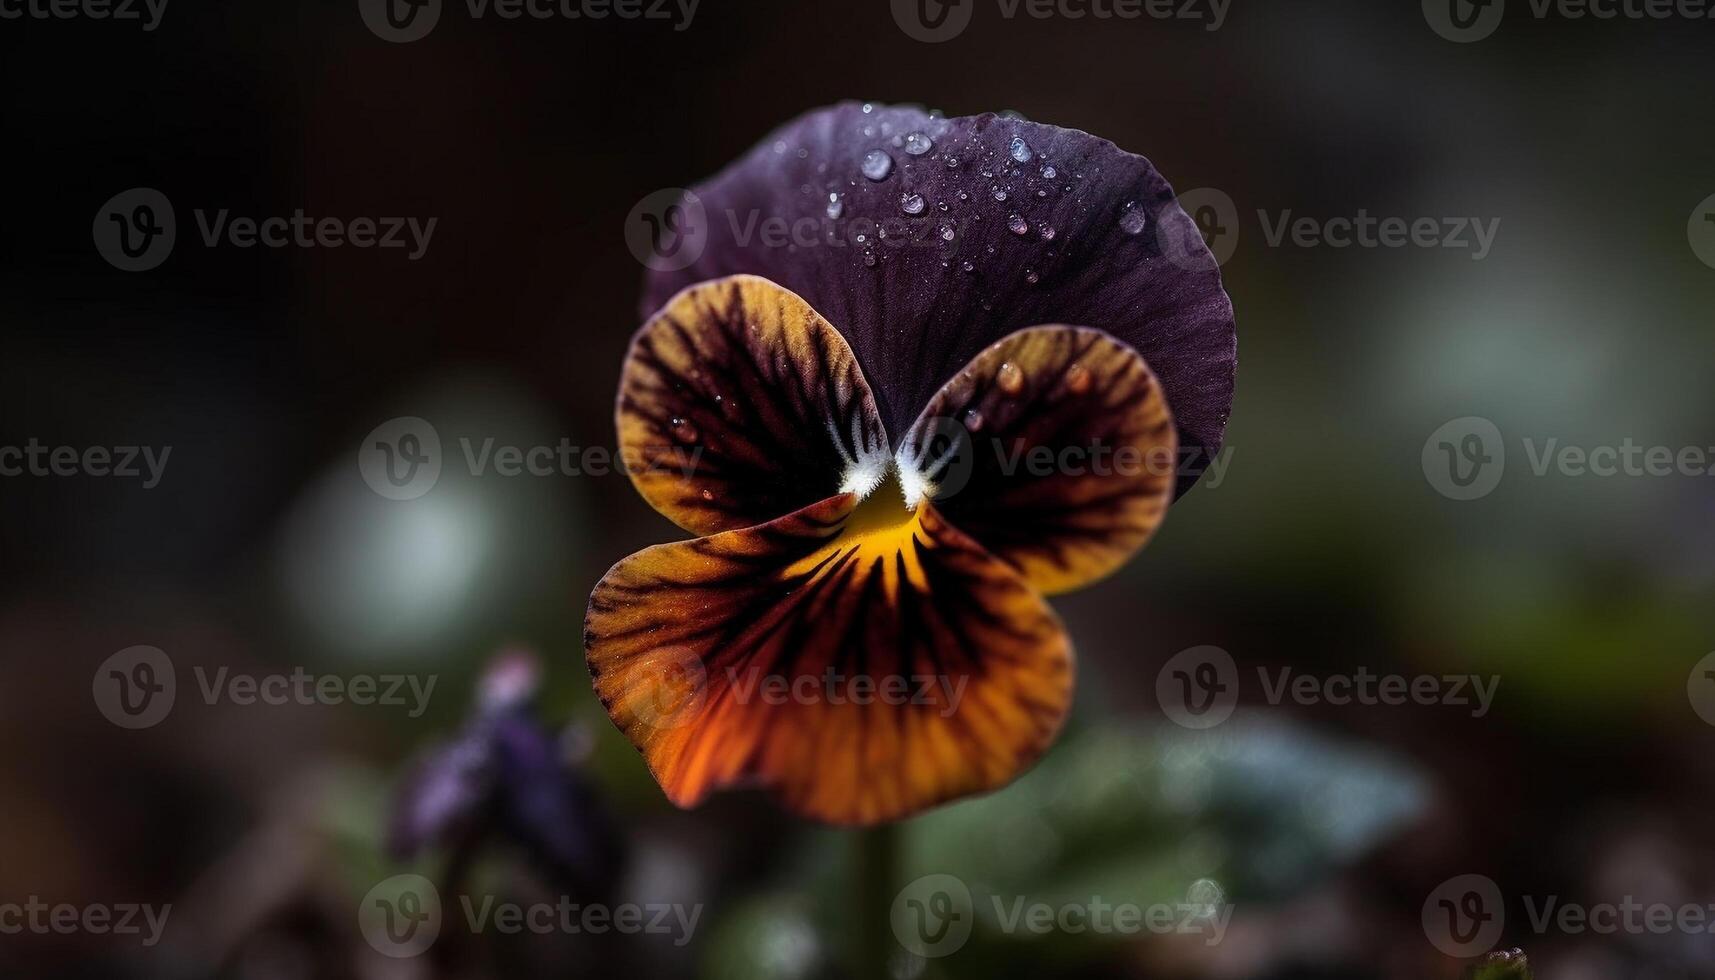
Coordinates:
column 1133, row 220
column 952, row 163
column 918, row 144
column 1017, row 225
column 947, row 233
column 1049, row 172
column 836, row 206
column 911, row 203
column 707, row 494
column 1020, row 150
column 868, row 108
column 973, row 420
column 1031, row 277
column 684, row 431
column 999, row 194
column 1009, row 378
column 877, row 165
column 869, row 259
column 967, row 266
column 1077, row 379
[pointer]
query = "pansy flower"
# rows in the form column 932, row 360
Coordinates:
column 898, row 360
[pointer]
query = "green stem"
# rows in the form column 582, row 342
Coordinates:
column 875, row 875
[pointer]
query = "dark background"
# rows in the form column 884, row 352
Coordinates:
column 1324, row 548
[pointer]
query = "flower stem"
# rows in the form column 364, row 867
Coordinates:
column 875, row 859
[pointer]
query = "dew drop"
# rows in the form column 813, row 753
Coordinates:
column 1009, row 378
column 1049, row 173
column 918, row 144
column 707, row 494
column 869, row 259
column 1017, row 225
column 967, row 266
column 1048, row 233
column 868, row 107
column 683, row 430
column 877, row 165
column 947, row 233
column 836, row 205
column 1077, row 379
column 1031, row 277
column 973, row 420
column 1133, row 220
column 952, row 163
column 911, row 203
column 1020, row 150
column 999, row 194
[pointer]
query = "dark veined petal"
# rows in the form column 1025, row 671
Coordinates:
column 745, row 658
column 1047, row 225
column 738, row 404
column 1054, row 449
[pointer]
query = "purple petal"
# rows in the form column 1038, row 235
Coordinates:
column 441, row 797
column 549, row 810
column 1046, row 225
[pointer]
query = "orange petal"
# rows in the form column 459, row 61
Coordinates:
column 738, row 403
column 745, row 658
column 1054, row 448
